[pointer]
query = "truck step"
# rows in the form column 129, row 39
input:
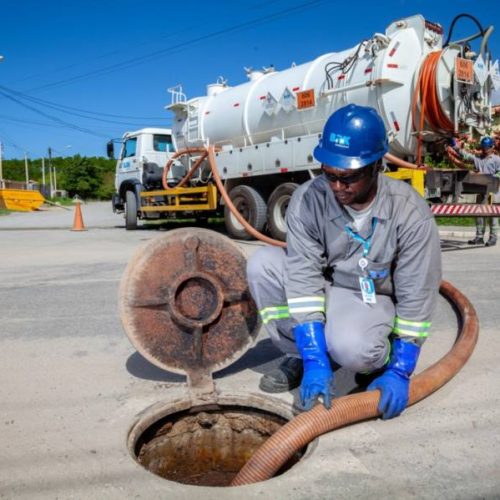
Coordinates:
column 180, row 199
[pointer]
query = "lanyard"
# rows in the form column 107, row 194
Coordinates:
column 366, row 242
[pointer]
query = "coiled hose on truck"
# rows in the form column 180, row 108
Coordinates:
column 306, row 427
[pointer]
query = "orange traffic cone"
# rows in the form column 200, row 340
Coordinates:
column 78, row 220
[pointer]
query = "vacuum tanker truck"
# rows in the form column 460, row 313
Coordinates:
column 265, row 129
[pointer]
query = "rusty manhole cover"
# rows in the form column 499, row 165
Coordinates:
column 184, row 302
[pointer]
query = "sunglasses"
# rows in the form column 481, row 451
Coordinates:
column 347, row 179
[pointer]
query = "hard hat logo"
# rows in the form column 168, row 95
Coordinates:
column 340, row 140
column 354, row 137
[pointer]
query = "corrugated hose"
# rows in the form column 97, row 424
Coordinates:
column 306, row 427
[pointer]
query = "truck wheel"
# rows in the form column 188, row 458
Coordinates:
column 251, row 205
column 130, row 211
column 276, row 209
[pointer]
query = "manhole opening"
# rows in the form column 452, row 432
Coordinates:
column 207, row 447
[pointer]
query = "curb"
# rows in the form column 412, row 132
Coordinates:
column 457, row 231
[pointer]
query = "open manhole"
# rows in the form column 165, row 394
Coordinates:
column 185, row 306
column 205, row 446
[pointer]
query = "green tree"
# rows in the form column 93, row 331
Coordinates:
column 80, row 176
column 89, row 177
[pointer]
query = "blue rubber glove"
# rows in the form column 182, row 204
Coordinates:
column 394, row 383
column 318, row 375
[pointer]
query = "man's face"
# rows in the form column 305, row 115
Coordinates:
column 488, row 151
column 352, row 187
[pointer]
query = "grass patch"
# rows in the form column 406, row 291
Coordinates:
column 456, row 221
column 4, row 211
column 62, row 201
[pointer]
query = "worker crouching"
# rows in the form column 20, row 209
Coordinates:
column 358, row 281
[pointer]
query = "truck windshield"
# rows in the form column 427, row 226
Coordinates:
column 129, row 147
column 163, row 143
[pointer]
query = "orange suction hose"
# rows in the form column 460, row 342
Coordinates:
column 220, row 186
column 188, row 151
column 300, row 431
column 304, row 428
column 426, row 94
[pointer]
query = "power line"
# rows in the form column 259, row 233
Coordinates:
column 29, row 122
column 50, row 117
column 11, row 143
column 19, row 97
column 180, row 46
column 126, row 48
column 69, row 110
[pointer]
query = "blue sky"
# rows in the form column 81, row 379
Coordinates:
column 116, row 59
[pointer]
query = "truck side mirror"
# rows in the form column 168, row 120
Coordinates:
column 110, row 150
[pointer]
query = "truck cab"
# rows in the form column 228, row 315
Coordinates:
column 143, row 155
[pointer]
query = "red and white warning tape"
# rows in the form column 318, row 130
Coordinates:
column 466, row 210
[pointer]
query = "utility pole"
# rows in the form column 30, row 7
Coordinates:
column 43, row 172
column 50, row 172
column 55, row 179
column 26, row 169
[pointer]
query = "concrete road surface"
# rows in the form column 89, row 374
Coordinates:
column 72, row 384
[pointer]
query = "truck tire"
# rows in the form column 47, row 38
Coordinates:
column 251, row 205
column 276, row 210
column 130, row 211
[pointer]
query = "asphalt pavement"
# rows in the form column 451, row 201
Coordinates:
column 72, row 384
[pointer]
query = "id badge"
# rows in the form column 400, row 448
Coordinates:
column 367, row 290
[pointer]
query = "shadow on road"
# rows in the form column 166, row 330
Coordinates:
column 140, row 367
column 260, row 358
column 454, row 245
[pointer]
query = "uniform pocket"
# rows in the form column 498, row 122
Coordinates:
column 380, row 273
column 378, row 270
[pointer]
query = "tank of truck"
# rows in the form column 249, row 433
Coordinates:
column 381, row 72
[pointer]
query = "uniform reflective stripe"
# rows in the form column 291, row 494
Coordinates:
column 307, row 309
column 400, row 321
column 411, row 328
column 269, row 313
column 306, row 304
column 318, row 298
column 277, row 316
column 389, row 351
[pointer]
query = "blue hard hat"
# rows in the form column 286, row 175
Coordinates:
column 353, row 137
column 487, row 142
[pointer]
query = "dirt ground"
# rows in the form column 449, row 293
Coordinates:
column 73, row 385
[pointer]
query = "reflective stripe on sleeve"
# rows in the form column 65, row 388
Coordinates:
column 306, row 304
column 269, row 313
column 408, row 328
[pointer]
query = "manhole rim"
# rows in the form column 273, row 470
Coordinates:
column 162, row 409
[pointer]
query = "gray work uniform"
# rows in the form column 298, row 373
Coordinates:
column 488, row 165
column 317, row 277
